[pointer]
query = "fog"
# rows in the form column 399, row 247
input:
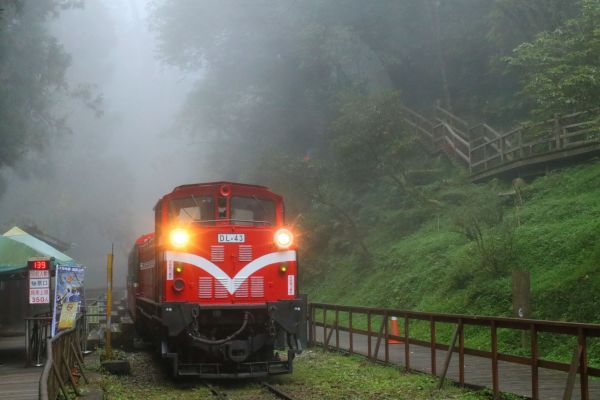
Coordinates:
column 300, row 96
column 97, row 184
column 168, row 93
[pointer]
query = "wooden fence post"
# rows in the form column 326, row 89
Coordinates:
column 557, row 131
column 535, row 390
column 583, row 374
column 448, row 357
column 433, row 346
column 521, row 300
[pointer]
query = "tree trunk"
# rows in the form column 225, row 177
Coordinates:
column 441, row 60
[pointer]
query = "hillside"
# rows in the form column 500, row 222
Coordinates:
column 460, row 258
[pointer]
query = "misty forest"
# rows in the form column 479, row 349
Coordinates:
column 105, row 106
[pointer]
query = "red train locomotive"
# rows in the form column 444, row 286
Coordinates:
column 216, row 284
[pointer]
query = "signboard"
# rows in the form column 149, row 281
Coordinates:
column 38, row 264
column 39, row 281
column 68, row 315
column 39, row 296
column 67, row 290
column 231, row 237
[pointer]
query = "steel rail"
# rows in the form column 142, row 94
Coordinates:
column 215, row 391
column 276, row 392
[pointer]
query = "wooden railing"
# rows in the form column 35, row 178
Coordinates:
column 64, row 358
column 482, row 148
column 326, row 321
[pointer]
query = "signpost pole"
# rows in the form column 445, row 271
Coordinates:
column 109, row 277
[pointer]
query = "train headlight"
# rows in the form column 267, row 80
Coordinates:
column 179, row 237
column 284, row 238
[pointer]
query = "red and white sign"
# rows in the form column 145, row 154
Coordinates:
column 39, row 274
column 39, row 283
column 39, row 296
column 39, row 286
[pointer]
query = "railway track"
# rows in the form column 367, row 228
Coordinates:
column 276, row 392
column 218, row 393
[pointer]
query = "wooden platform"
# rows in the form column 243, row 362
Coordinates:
column 514, row 378
column 539, row 164
column 16, row 381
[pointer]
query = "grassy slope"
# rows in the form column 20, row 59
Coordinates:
column 437, row 268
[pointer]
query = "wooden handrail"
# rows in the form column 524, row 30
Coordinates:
column 63, row 354
column 456, row 135
column 581, row 331
column 450, row 130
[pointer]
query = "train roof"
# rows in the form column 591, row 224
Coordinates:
column 215, row 185
column 143, row 238
column 218, row 183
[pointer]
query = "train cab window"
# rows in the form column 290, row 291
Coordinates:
column 186, row 210
column 252, row 211
column 222, row 203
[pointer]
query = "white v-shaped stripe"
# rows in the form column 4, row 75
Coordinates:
column 231, row 284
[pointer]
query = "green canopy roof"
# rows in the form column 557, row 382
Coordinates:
column 17, row 246
column 38, row 245
column 13, row 257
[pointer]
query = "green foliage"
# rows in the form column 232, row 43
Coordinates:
column 32, row 68
column 265, row 80
column 271, row 75
column 480, row 218
column 513, row 22
column 560, row 68
column 439, row 266
column 372, row 141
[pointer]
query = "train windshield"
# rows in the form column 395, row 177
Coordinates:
column 193, row 209
column 251, row 211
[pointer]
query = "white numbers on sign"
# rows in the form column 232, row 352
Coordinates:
column 38, row 299
column 231, row 237
column 39, row 296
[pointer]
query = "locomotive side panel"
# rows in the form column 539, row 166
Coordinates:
column 147, row 270
column 139, row 281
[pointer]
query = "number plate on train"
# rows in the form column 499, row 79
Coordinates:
column 231, row 237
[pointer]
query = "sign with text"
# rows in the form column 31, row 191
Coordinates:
column 39, row 286
column 39, row 296
column 38, row 264
column 68, row 294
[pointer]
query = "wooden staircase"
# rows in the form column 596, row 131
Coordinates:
column 528, row 149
